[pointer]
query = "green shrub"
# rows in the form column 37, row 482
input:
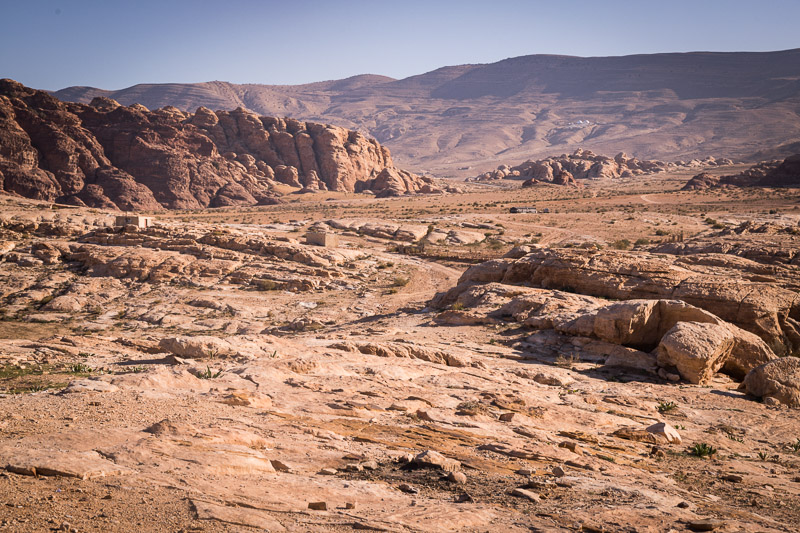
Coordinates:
column 209, row 374
column 703, row 450
column 665, row 407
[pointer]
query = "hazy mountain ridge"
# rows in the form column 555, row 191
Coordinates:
column 666, row 106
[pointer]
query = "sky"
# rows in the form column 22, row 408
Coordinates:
column 112, row 44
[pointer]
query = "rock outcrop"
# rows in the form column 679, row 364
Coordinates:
column 565, row 169
column 769, row 243
column 111, row 156
column 668, row 336
column 585, row 164
column 712, row 282
column 784, row 173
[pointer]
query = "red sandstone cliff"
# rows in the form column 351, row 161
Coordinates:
column 112, row 156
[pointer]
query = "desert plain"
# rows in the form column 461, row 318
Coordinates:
column 441, row 364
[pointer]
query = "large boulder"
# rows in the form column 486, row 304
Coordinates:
column 749, row 351
column 198, row 347
column 778, row 379
column 697, row 350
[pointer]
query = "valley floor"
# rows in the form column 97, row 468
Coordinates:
column 215, row 373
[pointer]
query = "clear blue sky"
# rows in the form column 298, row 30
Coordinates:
column 51, row 44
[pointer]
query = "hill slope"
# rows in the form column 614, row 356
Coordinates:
column 665, row 106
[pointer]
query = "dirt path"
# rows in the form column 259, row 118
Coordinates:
column 647, row 200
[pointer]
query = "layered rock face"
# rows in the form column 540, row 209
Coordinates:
column 768, row 243
column 112, row 156
column 784, row 173
column 668, row 337
column 585, row 164
column 729, row 287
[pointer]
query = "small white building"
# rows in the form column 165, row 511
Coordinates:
column 133, row 220
column 321, row 238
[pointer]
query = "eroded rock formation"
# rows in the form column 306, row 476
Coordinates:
column 585, row 164
column 713, row 282
column 112, row 156
column 784, row 173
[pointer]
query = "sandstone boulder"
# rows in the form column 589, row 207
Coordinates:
column 199, row 347
column 778, row 379
column 697, row 350
column 761, row 307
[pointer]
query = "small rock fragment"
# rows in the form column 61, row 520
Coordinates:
column 280, row 466
column 318, row 506
column 423, row 415
column 457, row 477
column 463, row 498
column 708, row 524
column 733, row 478
column 664, row 431
column 558, row 471
column 669, row 376
column 408, row 489
column 657, row 452
column 405, row 458
column 328, row 472
column 574, row 447
column 522, row 493
column 636, row 435
column 507, row 417
column 432, row 459
column 539, row 484
column 350, row 505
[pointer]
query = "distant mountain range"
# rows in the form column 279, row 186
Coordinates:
column 461, row 119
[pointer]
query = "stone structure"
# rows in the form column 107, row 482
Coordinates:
column 321, row 238
column 133, row 220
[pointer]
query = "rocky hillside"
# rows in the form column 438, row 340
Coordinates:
column 784, row 173
column 107, row 155
column 460, row 119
